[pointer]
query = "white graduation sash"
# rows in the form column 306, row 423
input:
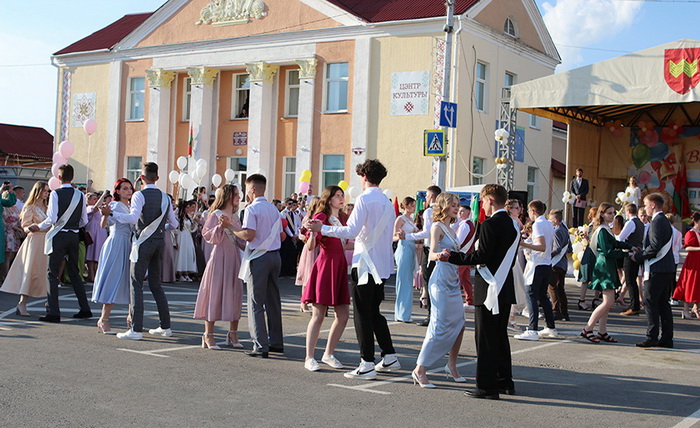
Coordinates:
column 249, row 255
column 496, row 281
column 150, row 229
column 48, row 245
column 529, row 272
column 365, row 265
column 556, row 259
column 453, row 239
column 660, row 255
column 227, row 232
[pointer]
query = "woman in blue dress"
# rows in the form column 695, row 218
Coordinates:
column 112, row 278
column 405, row 257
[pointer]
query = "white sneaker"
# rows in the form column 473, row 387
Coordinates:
column 364, row 371
column 528, row 335
column 332, row 361
column 388, row 364
column 161, row 332
column 130, row 334
column 311, row 365
column 548, row 332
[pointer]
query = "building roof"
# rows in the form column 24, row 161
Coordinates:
column 108, row 36
column 28, row 141
column 399, row 10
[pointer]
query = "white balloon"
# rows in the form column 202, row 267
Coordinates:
column 353, row 192
column 389, row 194
column 181, row 162
column 174, row 176
column 567, row 194
column 216, row 180
column 202, row 162
column 183, row 180
column 201, row 170
column 229, row 174
column 195, row 176
column 261, row 171
column 191, row 185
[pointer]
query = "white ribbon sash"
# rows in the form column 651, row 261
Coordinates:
column 453, row 239
column 660, row 255
column 529, row 273
column 366, row 266
column 593, row 241
column 249, row 255
column 48, row 245
column 561, row 254
column 496, row 282
column 227, row 232
column 150, row 229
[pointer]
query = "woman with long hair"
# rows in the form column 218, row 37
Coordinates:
column 604, row 276
column 446, row 327
column 186, row 258
column 328, row 282
column 97, row 232
column 13, row 228
column 27, row 275
column 307, row 258
column 515, row 209
column 634, row 193
column 586, row 266
column 112, row 278
column 405, row 257
column 220, row 296
column 688, row 285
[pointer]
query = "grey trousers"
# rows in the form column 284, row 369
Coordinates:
column 264, row 297
column 65, row 244
column 151, row 259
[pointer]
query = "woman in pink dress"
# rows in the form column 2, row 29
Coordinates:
column 307, row 257
column 688, row 286
column 328, row 281
column 220, row 296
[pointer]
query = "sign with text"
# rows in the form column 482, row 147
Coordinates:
column 240, row 138
column 410, row 92
column 434, row 143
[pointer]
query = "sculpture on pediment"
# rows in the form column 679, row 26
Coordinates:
column 228, row 12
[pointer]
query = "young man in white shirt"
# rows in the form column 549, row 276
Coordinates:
column 372, row 225
column 538, row 281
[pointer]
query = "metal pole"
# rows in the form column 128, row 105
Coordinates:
column 449, row 25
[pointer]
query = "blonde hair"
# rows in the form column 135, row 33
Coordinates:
column 442, row 204
column 222, row 196
column 34, row 197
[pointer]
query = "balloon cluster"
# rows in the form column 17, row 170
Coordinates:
column 197, row 170
column 615, row 128
column 501, row 162
column 622, row 198
column 501, row 134
column 305, row 181
column 568, row 198
column 579, row 239
column 65, row 151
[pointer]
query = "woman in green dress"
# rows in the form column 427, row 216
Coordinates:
column 604, row 276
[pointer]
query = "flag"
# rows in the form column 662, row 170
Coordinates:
column 680, row 193
column 190, row 142
column 475, row 209
column 396, row 206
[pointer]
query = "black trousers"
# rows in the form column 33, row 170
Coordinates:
column 426, row 267
column 538, row 293
column 151, row 260
column 65, row 244
column 631, row 269
column 369, row 322
column 493, row 363
column 557, row 293
column 657, row 306
column 288, row 253
column 578, row 216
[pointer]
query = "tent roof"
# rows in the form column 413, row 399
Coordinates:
column 622, row 87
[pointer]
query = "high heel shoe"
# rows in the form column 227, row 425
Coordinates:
column 449, row 375
column 205, row 345
column 695, row 312
column 582, row 306
column 20, row 313
column 422, row 385
column 231, row 342
column 103, row 330
column 686, row 315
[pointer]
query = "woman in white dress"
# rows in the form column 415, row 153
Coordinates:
column 634, row 193
column 186, row 257
column 405, row 257
column 446, row 326
column 515, row 209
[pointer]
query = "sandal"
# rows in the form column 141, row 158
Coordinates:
column 594, row 303
column 605, row 337
column 583, row 306
column 588, row 335
column 423, row 305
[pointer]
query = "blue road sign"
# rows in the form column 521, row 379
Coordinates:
column 434, row 143
column 448, row 114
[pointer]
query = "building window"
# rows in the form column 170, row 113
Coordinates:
column 478, row 168
column 133, row 168
column 241, row 96
column 186, row 99
column 291, row 107
column 531, row 183
column 337, row 87
column 509, row 80
column 509, row 28
column 534, row 121
column 290, row 168
column 333, row 170
column 137, row 93
column 239, row 165
column 480, row 87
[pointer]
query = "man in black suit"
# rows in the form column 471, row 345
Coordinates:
column 579, row 188
column 494, row 293
column 659, row 274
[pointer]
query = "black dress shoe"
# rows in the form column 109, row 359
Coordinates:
column 507, row 391
column 648, row 343
column 480, row 393
column 83, row 315
column 256, row 353
column 424, row 322
column 665, row 344
column 50, row 318
column 279, row 350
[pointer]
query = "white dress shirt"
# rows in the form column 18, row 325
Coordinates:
column 542, row 228
column 629, row 228
column 368, row 210
column 425, row 233
column 52, row 211
column 463, row 230
column 260, row 216
column 137, row 202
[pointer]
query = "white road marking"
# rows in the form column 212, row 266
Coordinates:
column 689, row 421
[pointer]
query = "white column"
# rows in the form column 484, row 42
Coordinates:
column 305, row 117
column 114, row 119
column 360, row 108
column 201, row 116
column 262, row 122
column 159, row 95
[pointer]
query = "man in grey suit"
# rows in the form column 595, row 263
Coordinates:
column 151, row 212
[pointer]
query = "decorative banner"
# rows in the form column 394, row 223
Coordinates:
column 410, row 92
column 240, row 138
column 438, row 79
column 84, row 107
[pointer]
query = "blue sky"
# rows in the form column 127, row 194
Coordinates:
column 586, row 31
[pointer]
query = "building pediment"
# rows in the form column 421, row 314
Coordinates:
column 231, row 12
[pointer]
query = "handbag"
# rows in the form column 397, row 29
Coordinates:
column 20, row 234
column 88, row 239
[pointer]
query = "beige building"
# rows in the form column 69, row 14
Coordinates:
column 281, row 86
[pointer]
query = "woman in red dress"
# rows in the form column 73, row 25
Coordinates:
column 688, row 285
column 327, row 284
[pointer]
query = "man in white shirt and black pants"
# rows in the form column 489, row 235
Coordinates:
column 372, row 223
column 633, row 234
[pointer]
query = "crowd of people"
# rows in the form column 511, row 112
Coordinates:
column 342, row 254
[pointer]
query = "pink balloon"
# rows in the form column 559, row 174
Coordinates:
column 59, row 159
column 54, row 169
column 90, row 126
column 66, row 149
column 304, row 187
column 644, row 177
column 54, row 183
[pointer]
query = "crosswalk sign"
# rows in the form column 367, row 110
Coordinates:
column 434, row 143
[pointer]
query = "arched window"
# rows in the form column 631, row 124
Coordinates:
column 509, row 28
